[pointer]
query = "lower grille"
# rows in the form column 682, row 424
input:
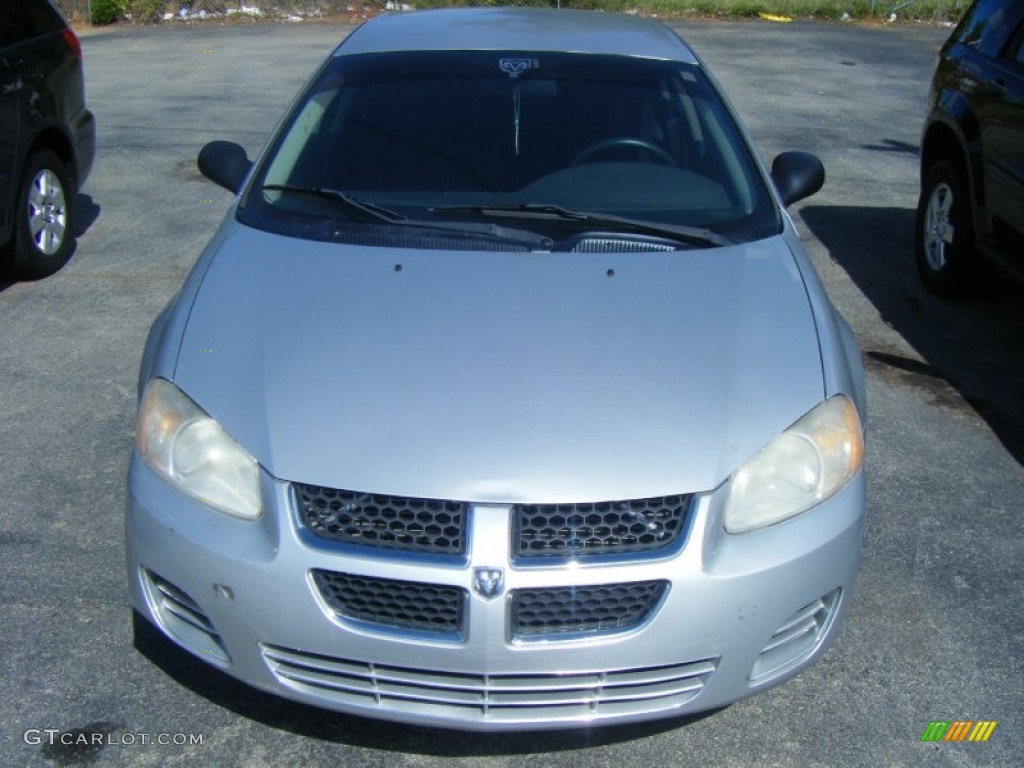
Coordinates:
column 601, row 609
column 512, row 698
column 395, row 604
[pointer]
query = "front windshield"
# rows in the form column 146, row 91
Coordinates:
column 450, row 136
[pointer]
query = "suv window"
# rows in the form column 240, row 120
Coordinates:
column 25, row 20
column 1016, row 52
column 987, row 27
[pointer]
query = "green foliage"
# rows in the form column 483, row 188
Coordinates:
column 864, row 10
column 424, row 4
column 107, row 11
column 110, row 11
column 145, row 10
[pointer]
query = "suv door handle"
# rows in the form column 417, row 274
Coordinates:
column 12, row 87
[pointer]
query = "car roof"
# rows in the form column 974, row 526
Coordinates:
column 517, row 29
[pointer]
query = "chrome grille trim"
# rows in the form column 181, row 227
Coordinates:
column 178, row 604
column 183, row 618
column 503, row 697
column 797, row 637
column 802, row 623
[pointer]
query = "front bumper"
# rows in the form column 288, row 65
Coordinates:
column 738, row 614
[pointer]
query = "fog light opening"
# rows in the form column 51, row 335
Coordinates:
column 183, row 620
column 797, row 638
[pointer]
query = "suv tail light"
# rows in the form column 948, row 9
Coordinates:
column 72, row 41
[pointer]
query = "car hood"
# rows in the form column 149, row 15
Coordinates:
column 500, row 377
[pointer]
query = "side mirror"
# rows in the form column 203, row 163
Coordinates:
column 224, row 163
column 797, row 175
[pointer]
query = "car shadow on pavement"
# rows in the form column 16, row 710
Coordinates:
column 86, row 213
column 893, row 146
column 225, row 691
column 971, row 348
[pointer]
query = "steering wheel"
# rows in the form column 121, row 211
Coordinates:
column 629, row 142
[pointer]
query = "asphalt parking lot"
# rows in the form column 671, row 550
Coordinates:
column 935, row 630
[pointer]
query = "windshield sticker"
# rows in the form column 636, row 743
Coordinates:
column 516, row 67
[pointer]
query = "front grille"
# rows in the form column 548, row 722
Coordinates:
column 383, row 522
column 603, row 528
column 394, row 604
column 601, row 609
column 438, row 526
column 508, row 698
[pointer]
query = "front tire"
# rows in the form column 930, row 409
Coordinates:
column 43, row 220
column 945, row 252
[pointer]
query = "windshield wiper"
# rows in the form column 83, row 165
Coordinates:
column 368, row 211
column 679, row 232
column 350, row 204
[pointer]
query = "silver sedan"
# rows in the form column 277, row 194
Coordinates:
column 505, row 397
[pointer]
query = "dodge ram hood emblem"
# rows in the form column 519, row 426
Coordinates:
column 488, row 582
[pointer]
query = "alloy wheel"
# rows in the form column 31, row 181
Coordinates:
column 47, row 212
column 938, row 227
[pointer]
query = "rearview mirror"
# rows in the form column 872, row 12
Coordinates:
column 224, row 163
column 797, row 175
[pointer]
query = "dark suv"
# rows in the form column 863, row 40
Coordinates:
column 47, row 137
column 971, row 210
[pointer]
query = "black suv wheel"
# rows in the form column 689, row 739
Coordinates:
column 43, row 236
column 946, row 258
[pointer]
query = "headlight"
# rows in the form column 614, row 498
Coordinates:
column 802, row 467
column 190, row 449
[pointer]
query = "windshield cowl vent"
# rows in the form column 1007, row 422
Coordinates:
column 426, row 242
column 617, row 245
